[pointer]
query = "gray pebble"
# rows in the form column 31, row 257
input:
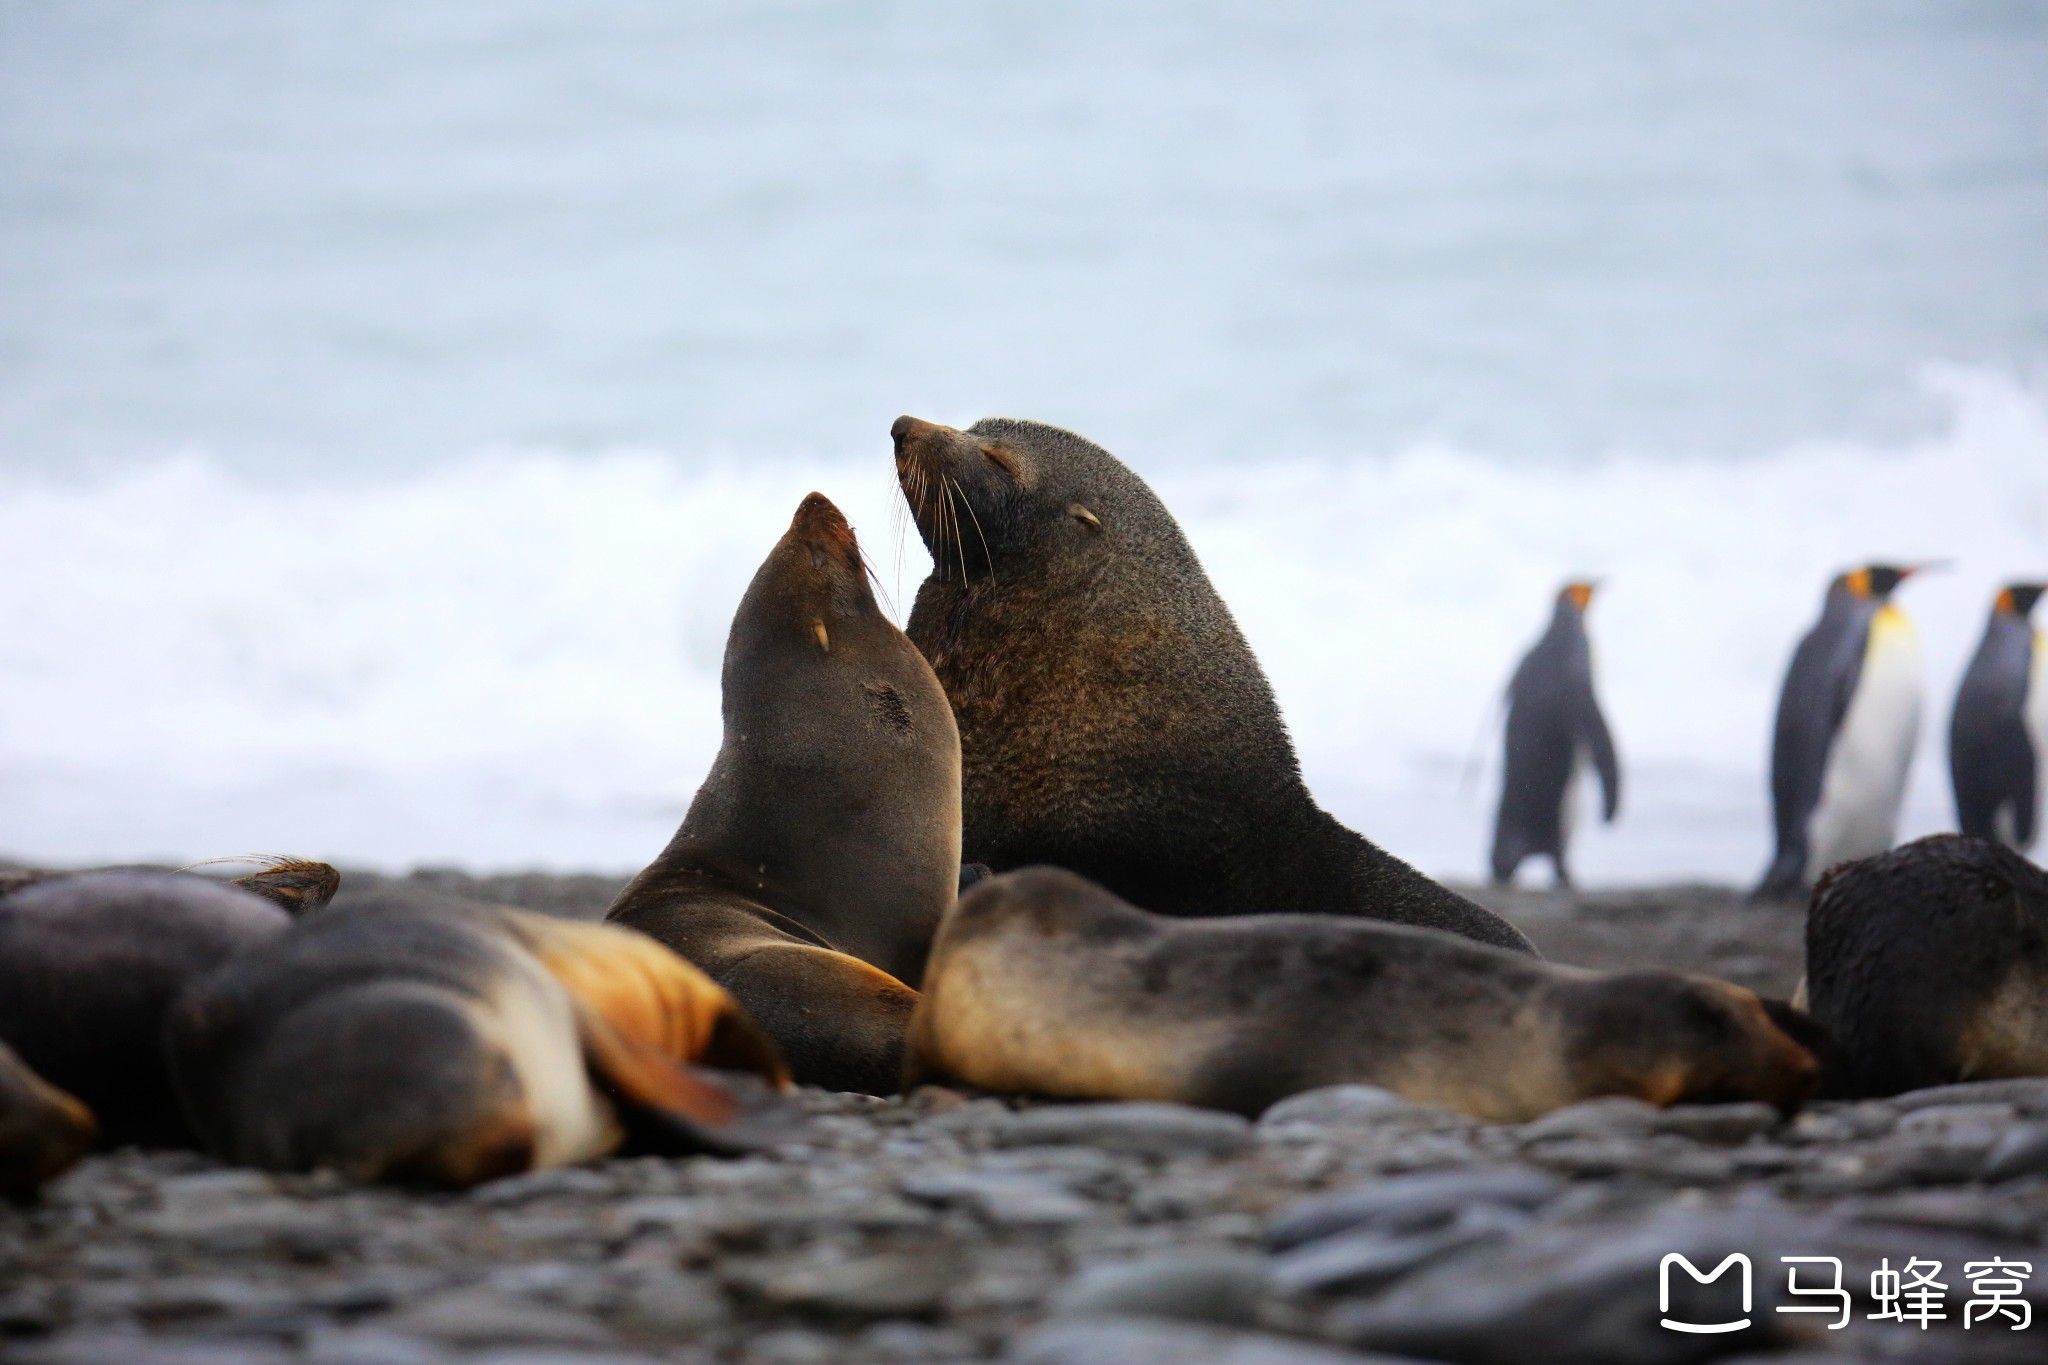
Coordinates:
column 1363, row 1259
column 1347, row 1105
column 2023, row 1151
column 370, row 1346
column 664, row 1302
column 571, row 1181
column 1718, row 1123
column 1611, row 1116
column 1151, row 1341
column 479, row 1317
column 2028, row 1094
column 1164, row 1130
column 1201, row 1286
column 1007, row 1199
column 890, row 1285
column 1410, row 1203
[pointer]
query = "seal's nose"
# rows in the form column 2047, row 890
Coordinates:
column 904, row 429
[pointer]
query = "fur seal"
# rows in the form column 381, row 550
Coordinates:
column 814, row 863
column 1929, row 965
column 1112, row 719
column 294, row 885
column 1043, row 983
column 43, row 1131
column 89, row 966
column 422, row 1039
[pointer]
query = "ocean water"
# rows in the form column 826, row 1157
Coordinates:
column 395, row 399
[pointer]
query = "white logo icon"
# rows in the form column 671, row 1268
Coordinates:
column 1664, row 1291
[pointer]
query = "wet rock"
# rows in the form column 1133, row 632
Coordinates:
column 1005, row 1198
column 553, row 1355
column 1717, row 1123
column 1842, row 1123
column 1971, row 1128
column 1613, row 1116
column 1162, row 1130
column 251, row 1227
column 2026, row 1094
column 1363, row 1258
column 556, row 1182
column 793, row 1346
column 1962, row 1210
column 1151, row 1341
column 1577, row 1294
column 1200, row 1286
column 2022, row 1151
column 370, row 1346
column 917, row 1341
column 1411, row 1203
column 479, row 1317
column 891, row 1285
column 664, row 1302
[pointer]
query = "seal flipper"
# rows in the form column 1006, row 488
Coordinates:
column 669, row 1109
column 787, row 987
column 649, row 995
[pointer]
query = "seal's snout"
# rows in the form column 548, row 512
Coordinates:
column 820, row 525
column 910, row 434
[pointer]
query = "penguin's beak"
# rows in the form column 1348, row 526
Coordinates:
column 1931, row 566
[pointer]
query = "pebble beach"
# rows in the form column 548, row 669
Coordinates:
column 1343, row 1225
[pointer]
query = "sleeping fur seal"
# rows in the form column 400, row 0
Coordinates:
column 422, row 1039
column 89, row 966
column 1929, row 965
column 1043, row 983
column 815, row 861
column 43, row 1131
column 1112, row 719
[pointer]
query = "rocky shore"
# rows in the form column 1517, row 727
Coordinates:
column 1345, row 1225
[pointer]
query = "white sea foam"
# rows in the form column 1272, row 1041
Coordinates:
column 513, row 660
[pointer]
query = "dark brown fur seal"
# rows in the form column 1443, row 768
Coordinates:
column 1112, row 719
column 89, row 966
column 1929, row 965
column 43, row 1131
column 814, row 864
column 418, row 1038
column 294, row 885
column 1043, row 983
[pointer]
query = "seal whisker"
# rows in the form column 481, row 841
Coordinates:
column 986, row 556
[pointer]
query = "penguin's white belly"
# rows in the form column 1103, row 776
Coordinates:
column 1864, row 782
column 2036, row 714
column 1574, row 787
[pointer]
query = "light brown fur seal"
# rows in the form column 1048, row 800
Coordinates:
column 815, row 861
column 43, row 1131
column 418, row 1038
column 1112, row 718
column 1043, row 983
column 1929, row 965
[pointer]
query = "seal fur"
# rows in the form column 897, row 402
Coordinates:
column 1112, row 718
column 1043, row 983
column 814, row 863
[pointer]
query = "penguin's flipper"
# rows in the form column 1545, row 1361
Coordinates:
column 2024, row 815
column 1601, row 745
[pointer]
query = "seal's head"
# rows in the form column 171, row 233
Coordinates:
column 838, row 782
column 1672, row 1038
column 1005, row 491
column 812, row 660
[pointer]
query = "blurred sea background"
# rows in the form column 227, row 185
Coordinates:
column 395, row 398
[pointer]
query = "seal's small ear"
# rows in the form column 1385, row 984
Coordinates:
column 1084, row 516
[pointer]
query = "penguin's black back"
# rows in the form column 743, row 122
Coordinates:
column 1991, row 755
column 1552, row 713
column 1822, row 678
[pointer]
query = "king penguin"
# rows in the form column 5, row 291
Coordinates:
column 1995, row 737
column 1848, row 718
column 1554, row 730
